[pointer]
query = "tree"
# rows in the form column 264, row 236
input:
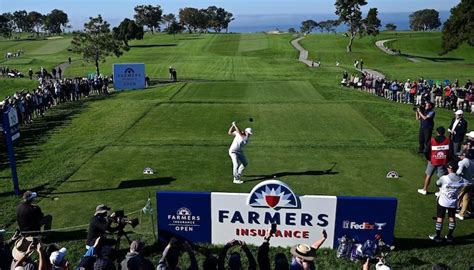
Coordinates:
column 390, row 27
column 174, row 28
column 227, row 19
column 350, row 14
column 308, row 26
column 5, row 25
column 371, row 24
column 149, row 16
column 219, row 18
column 168, row 19
column 20, row 20
column 128, row 30
column 55, row 20
column 425, row 19
column 291, row 30
column 96, row 42
column 328, row 25
column 459, row 28
column 36, row 21
column 189, row 17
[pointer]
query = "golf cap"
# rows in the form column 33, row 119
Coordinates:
column 29, row 195
column 101, row 209
column 249, row 131
column 382, row 266
column 470, row 134
column 459, row 112
column 57, row 257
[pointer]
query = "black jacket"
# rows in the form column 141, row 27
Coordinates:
column 28, row 217
column 460, row 130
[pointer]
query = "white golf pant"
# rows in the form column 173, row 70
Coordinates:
column 239, row 162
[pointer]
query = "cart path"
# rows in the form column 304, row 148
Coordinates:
column 303, row 53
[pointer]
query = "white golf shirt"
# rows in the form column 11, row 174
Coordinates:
column 451, row 185
column 238, row 143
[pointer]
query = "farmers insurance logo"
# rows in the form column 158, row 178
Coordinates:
column 273, row 194
column 129, row 73
column 184, row 220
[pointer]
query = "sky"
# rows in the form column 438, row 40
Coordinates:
column 248, row 10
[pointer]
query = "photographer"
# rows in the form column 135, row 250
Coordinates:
column 426, row 117
column 170, row 258
column 99, row 225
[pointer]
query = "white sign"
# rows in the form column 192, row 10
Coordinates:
column 247, row 217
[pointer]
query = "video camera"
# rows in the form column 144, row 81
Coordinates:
column 421, row 107
column 121, row 219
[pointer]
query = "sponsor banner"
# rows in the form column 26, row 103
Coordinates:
column 13, row 122
column 219, row 217
column 129, row 76
column 364, row 217
column 233, row 218
column 184, row 215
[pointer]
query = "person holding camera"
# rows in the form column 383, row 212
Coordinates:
column 426, row 117
column 234, row 260
column 99, row 225
column 170, row 258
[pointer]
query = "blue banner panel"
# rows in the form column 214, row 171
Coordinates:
column 129, row 76
column 184, row 215
column 363, row 217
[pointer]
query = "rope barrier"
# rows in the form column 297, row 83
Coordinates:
column 146, row 209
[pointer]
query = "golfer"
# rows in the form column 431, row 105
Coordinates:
column 239, row 161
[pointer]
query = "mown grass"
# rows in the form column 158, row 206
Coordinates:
column 92, row 152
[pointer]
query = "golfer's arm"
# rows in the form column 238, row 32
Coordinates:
column 231, row 130
column 238, row 131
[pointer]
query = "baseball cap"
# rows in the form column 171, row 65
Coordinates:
column 458, row 112
column 453, row 165
column 29, row 195
column 470, row 134
column 382, row 266
column 249, row 131
column 57, row 256
column 101, row 209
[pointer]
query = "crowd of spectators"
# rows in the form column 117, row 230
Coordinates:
column 446, row 94
column 52, row 91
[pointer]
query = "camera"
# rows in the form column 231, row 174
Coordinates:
column 121, row 219
column 421, row 107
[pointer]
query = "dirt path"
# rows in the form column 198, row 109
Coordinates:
column 372, row 72
column 381, row 45
column 63, row 67
column 303, row 53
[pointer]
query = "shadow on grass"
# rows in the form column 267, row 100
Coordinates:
column 282, row 174
column 58, row 236
column 153, row 45
column 41, row 129
column 434, row 59
column 126, row 184
column 410, row 243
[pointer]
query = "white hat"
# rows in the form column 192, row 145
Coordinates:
column 382, row 266
column 249, row 131
column 459, row 112
column 470, row 134
column 57, row 256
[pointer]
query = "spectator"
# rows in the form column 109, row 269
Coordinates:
column 450, row 188
column 457, row 130
column 22, row 251
column 437, row 156
column 58, row 261
column 88, row 259
column 134, row 260
column 5, row 249
column 30, row 218
column 170, row 258
column 105, row 260
column 304, row 255
column 426, row 118
column 466, row 170
column 234, row 259
column 281, row 262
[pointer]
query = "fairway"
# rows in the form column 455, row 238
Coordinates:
column 304, row 123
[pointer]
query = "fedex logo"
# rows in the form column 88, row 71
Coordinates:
column 352, row 225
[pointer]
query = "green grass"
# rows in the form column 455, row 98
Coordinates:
column 90, row 152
